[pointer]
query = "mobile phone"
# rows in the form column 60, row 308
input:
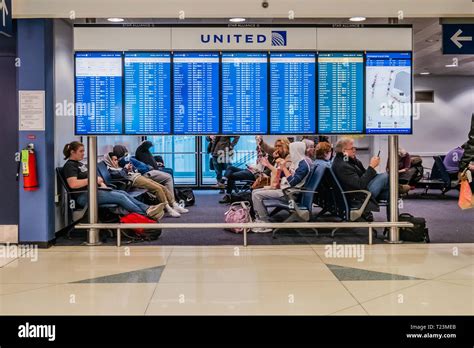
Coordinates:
column 378, row 155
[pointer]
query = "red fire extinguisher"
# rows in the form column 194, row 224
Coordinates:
column 28, row 161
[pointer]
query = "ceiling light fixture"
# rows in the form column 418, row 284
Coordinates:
column 115, row 19
column 425, row 73
column 357, row 19
column 237, row 20
column 451, row 65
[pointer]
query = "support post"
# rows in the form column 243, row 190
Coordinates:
column 93, row 233
column 393, row 237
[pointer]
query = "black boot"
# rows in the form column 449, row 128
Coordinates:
column 225, row 199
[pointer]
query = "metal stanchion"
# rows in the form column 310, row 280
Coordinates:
column 93, row 233
column 394, row 237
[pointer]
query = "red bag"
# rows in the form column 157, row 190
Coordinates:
column 134, row 218
column 466, row 200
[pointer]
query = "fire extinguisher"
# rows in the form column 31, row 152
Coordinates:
column 28, row 164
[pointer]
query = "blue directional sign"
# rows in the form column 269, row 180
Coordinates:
column 6, row 27
column 458, row 38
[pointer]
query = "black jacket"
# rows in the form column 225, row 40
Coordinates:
column 144, row 154
column 351, row 173
column 468, row 155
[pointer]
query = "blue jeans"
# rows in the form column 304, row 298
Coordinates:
column 121, row 198
column 380, row 189
column 219, row 168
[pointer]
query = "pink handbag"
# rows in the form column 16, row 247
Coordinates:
column 238, row 212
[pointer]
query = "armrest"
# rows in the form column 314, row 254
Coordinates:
column 366, row 199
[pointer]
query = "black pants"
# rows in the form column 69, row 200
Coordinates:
column 234, row 174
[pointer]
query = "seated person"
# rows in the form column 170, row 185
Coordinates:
column 323, row 154
column 405, row 173
column 353, row 176
column 451, row 161
column 76, row 175
column 294, row 175
column 265, row 164
column 128, row 172
column 147, row 171
column 309, row 148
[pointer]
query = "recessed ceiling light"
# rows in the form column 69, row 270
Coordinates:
column 425, row 73
column 357, row 19
column 451, row 65
column 115, row 19
column 237, row 20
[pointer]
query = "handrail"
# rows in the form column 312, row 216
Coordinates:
column 247, row 225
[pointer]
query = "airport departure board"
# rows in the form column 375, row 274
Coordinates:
column 292, row 93
column 196, row 93
column 147, row 93
column 98, row 93
column 244, row 93
column 340, row 93
column 388, row 93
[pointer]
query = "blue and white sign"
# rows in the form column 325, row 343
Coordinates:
column 458, row 39
column 238, row 38
column 6, row 27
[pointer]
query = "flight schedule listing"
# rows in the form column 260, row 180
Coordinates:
column 196, row 93
column 340, row 93
column 388, row 93
column 292, row 93
column 147, row 93
column 98, row 93
column 244, row 93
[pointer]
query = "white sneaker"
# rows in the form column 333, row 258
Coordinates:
column 261, row 229
column 156, row 211
column 171, row 212
column 180, row 209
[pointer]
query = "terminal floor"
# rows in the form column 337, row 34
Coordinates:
column 408, row 279
column 447, row 223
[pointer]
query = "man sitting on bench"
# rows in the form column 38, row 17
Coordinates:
column 353, row 176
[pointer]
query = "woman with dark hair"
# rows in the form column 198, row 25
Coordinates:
column 76, row 175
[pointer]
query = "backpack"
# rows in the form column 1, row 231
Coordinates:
column 184, row 196
column 139, row 234
column 238, row 212
column 417, row 233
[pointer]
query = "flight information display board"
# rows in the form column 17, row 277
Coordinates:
column 147, row 93
column 292, row 93
column 244, row 93
column 98, row 93
column 340, row 93
column 196, row 93
column 388, row 93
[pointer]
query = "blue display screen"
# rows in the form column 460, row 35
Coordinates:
column 147, row 93
column 98, row 90
column 196, row 93
column 292, row 93
column 244, row 93
column 388, row 93
column 340, row 93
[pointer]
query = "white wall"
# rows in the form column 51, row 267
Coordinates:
column 444, row 124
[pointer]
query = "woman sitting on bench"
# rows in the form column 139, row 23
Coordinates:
column 76, row 175
column 129, row 173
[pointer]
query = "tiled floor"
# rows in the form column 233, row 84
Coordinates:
column 297, row 279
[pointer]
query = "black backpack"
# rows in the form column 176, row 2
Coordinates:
column 184, row 195
column 417, row 233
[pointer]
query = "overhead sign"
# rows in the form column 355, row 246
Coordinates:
column 244, row 38
column 458, row 38
column 6, row 27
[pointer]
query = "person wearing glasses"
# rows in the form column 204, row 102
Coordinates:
column 352, row 174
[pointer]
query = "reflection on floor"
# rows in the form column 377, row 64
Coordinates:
column 300, row 279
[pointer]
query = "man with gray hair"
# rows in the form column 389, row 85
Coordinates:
column 353, row 176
